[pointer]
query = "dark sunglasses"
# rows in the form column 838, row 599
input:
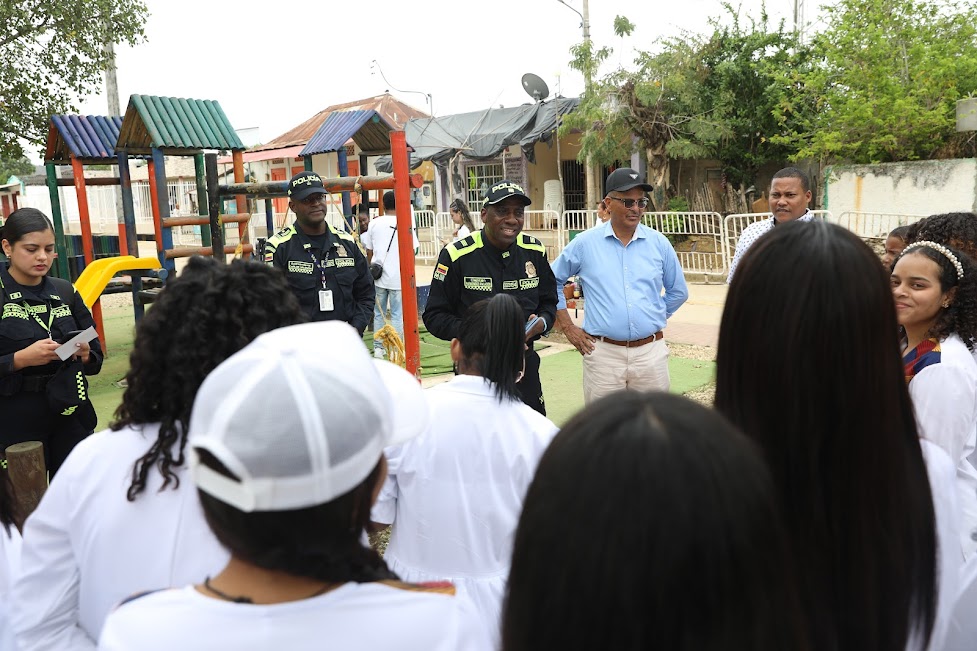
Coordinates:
column 629, row 203
column 313, row 199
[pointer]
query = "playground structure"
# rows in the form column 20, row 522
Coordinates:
column 401, row 183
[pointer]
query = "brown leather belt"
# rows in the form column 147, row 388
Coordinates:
column 630, row 344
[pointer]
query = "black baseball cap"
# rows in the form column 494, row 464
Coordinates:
column 624, row 179
column 303, row 184
column 502, row 190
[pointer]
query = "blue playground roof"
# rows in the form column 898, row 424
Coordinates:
column 90, row 138
column 368, row 130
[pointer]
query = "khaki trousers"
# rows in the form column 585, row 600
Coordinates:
column 612, row 368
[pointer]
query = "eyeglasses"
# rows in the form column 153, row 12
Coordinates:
column 629, row 203
column 313, row 199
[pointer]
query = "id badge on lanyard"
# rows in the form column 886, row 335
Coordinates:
column 326, row 303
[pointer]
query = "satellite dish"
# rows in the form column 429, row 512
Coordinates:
column 535, row 86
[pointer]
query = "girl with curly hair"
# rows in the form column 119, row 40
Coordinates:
column 120, row 517
column 935, row 292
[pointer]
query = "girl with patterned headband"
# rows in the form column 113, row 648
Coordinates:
column 935, row 292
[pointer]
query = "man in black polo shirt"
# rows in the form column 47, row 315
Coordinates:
column 499, row 258
column 324, row 268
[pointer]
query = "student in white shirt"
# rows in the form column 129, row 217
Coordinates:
column 120, row 517
column 286, row 450
column 808, row 367
column 454, row 494
column 652, row 523
column 935, row 291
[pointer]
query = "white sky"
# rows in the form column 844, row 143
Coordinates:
column 275, row 64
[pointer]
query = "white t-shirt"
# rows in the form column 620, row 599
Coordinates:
column 9, row 567
column 945, row 400
column 385, row 615
column 378, row 238
column 86, row 547
column 455, row 493
column 463, row 232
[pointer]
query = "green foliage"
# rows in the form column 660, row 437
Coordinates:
column 697, row 97
column 884, row 79
column 51, row 53
column 19, row 167
column 678, row 204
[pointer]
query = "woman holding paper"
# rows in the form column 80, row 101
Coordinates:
column 43, row 391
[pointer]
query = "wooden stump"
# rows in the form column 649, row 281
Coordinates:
column 28, row 476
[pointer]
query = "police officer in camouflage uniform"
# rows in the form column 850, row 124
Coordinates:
column 499, row 258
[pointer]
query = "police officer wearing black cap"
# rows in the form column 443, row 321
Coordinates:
column 324, row 267
column 497, row 259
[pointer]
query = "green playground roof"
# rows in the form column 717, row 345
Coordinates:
column 175, row 125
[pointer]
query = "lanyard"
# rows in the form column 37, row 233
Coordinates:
column 27, row 308
column 321, row 263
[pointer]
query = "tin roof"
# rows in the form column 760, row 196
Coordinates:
column 368, row 130
column 175, row 125
column 392, row 110
column 90, row 138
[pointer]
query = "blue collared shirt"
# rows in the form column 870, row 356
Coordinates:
column 623, row 285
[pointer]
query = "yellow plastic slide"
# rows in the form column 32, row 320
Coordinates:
column 97, row 275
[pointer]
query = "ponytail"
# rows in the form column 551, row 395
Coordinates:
column 493, row 341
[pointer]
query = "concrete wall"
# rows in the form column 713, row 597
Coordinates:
column 915, row 187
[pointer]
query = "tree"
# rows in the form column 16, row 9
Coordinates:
column 697, row 97
column 20, row 167
column 51, row 54
column 885, row 79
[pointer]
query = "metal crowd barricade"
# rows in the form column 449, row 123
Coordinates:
column 736, row 223
column 874, row 227
column 705, row 254
column 544, row 225
column 429, row 242
column 573, row 222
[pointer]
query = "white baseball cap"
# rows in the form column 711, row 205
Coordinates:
column 301, row 416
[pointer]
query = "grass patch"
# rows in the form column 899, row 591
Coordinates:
column 562, row 379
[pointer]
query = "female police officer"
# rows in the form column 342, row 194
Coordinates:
column 41, row 398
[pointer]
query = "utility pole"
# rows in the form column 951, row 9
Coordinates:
column 592, row 183
column 111, row 82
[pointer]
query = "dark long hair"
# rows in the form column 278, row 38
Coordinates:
column 651, row 523
column 319, row 542
column 809, row 367
column 961, row 317
column 22, row 222
column 202, row 317
column 466, row 217
column 493, row 338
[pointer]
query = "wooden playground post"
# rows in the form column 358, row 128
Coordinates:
column 28, row 476
column 132, row 236
column 78, row 170
column 161, row 205
column 61, row 263
column 200, row 177
column 237, row 159
column 405, row 244
column 213, row 206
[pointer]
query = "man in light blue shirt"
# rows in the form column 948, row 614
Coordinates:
column 632, row 283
